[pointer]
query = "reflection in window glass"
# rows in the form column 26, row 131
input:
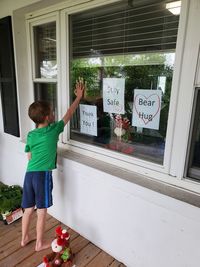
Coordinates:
column 194, row 154
column 45, row 50
column 47, row 92
column 134, row 42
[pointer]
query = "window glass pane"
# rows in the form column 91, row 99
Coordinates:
column 194, row 153
column 45, row 50
column 47, row 92
column 136, row 44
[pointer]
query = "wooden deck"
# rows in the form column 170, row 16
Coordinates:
column 11, row 253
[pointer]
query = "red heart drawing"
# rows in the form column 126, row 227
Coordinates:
column 146, row 121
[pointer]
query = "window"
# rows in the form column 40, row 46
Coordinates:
column 7, row 79
column 45, row 50
column 45, row 62
column 47, row 92
column 126, row 49
column 194, row 150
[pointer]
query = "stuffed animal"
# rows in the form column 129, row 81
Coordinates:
column 61, row 255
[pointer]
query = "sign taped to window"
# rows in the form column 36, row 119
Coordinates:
column 88, row 119
column 146, row 108
column 113, row 95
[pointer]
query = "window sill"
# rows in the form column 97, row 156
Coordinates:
column 173, row 191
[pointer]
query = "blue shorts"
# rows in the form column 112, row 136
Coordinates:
column 37, row 189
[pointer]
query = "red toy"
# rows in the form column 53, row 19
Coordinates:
column 61, row 254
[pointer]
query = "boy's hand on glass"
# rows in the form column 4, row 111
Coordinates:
column 79, row 91
column 80, row 88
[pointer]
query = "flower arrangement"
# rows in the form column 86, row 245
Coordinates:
column 122, row 131
column 122, row 127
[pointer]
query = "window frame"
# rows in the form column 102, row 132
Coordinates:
column 132, row 163
column 189, row 170
column 31, row 23
column 185, row 94
column 184, row 77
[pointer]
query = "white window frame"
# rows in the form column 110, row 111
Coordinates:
column 31, row 23
column 109, row 156
column 188, row 169
column 172, row 170
column 185, row 99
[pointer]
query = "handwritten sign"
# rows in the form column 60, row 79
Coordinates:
column 113, row 95
column 146, row 108
column 88, row 119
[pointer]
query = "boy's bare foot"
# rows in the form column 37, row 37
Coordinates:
column 26, row 241
column 43, row 245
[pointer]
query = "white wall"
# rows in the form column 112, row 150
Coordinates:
column 7, row 6
column 12, row 160
column 137, row 226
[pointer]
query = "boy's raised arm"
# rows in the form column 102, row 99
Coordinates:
column 79, row 90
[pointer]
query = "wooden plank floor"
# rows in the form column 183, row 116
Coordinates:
column 11, row 253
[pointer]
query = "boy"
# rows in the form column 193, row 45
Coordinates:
column 41, row 147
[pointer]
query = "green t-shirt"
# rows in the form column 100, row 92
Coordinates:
column 42, row 143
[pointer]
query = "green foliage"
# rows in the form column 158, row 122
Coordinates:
column 10, row 197
column 90, row 76
column 140, row 72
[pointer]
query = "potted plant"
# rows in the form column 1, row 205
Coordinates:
column 10, row 203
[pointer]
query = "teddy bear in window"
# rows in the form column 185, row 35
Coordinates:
column 61, row 254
